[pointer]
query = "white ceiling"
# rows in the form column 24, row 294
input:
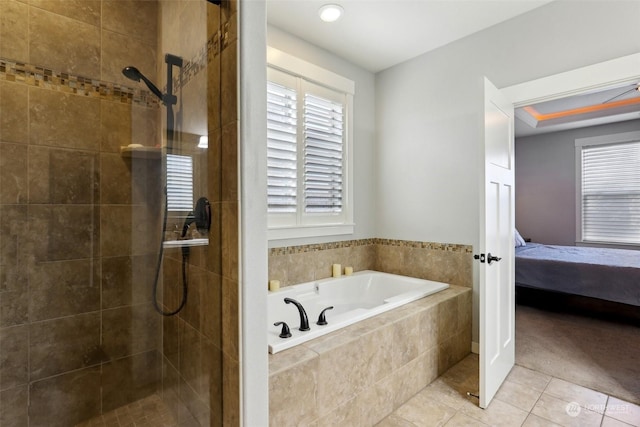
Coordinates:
column 377, row 34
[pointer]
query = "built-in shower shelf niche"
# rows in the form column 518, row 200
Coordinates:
column 136, row 151
column 184, row 243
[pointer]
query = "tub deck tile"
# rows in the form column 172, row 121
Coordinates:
column 293, row 394
column 360, row 374
column 331, row 341
column 289, row 358
column 352, row 368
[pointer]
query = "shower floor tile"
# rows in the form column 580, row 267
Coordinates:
column 148, row 412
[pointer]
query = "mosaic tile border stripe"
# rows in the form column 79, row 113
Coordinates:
column 38, row 76
column 447, row 247
column 205, row 55
column 315, row 247
column 47, row 78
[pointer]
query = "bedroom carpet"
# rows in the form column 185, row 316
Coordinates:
column 593, row 353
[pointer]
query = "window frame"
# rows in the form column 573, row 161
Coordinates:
column 302, row 224
column 580, row 143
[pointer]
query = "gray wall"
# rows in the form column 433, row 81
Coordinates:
column 546, row 182
column 430, row 112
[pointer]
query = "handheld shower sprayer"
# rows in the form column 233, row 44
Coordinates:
column 132, row 73
column 168, row 98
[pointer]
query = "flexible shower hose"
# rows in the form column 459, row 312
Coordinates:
column 185, row 256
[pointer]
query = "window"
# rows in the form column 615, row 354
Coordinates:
column 609, row 189
column 308, row 149
column 179, row 183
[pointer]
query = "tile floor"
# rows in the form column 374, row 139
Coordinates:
column 148, row 412
column 527, row 398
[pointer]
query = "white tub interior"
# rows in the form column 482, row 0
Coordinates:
column 354, row 298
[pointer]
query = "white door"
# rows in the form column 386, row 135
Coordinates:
column 497, row 277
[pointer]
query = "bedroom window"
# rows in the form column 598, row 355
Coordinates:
column 308, row 149
column 608, row 170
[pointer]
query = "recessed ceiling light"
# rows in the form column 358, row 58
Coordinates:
column 330, row 12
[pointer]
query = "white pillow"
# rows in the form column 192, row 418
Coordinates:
column 519, row 241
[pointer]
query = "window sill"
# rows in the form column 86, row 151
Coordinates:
column 311, row 231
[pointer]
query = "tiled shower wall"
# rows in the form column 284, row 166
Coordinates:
column 200, row 374
column 77, row 221
column 448, row 263
column 229, row 213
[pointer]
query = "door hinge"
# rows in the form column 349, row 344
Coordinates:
column 481, row 257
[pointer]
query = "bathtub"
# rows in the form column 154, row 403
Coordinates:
column 354, row 298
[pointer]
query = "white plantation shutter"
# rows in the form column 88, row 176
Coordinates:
column 179, row 183
column 611, row 193
column 323, row 154
column 281, row 148
column 309, row 135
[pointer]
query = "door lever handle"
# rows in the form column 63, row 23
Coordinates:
column 491, row 258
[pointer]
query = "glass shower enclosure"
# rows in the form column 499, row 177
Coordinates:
column 111, row 263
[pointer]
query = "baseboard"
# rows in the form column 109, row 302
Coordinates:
column 475, row 347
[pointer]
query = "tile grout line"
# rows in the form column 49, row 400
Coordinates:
column 534, row 405
column 544, row 390
column 584, row 408
column 606, row 403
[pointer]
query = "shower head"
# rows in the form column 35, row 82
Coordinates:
column 134, row 74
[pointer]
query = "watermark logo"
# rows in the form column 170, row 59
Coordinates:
column 619, row 408
column 572, row 409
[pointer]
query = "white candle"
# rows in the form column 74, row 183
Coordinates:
column 274, row 285
column 336, row 270
column 348, row 271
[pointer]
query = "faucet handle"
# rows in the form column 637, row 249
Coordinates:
column 322, row 320
column 285, row 333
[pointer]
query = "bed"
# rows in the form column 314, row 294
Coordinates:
column 606, row 274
